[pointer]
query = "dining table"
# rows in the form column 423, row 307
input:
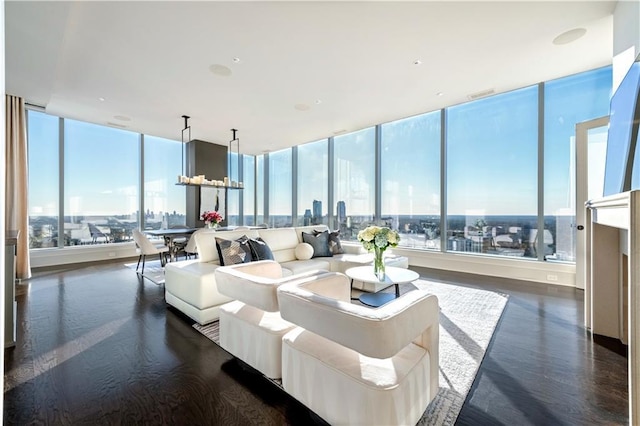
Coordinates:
column 171, row 237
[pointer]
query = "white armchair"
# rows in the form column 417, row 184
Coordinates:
column 251, row 327
column 351, row 364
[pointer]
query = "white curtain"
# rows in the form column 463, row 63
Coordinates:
column 17, row 181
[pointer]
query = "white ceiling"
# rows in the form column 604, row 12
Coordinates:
column 150, row 61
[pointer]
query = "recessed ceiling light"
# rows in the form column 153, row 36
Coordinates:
column 101, row 99
column 318, row 101
column 302, row 107
column 569, row 36
column 439, row 94
column 236, row 60
column 417, row 62
column 121, row 118
column 220, row 70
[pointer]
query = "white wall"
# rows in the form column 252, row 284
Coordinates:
column 626, row 38
column 495, row 266
column 79, row 254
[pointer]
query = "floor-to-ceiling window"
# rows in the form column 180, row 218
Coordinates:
column 164, row 201
column 101, row 175
column 492, row 172
column 260, row 177
column 249, row 191
column 492, row 175
column 354, row 181
column 410, row 176
column 280, row 188
column 313, row 183
column 98, row 186
column 233, row 195
column 568, row 101
column 44, row 180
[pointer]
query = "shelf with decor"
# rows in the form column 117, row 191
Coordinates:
column 208, row 185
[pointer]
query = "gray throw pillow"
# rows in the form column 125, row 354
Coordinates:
column 260, row 250
column 319, row 242
column 232, row 252
column 334, row 241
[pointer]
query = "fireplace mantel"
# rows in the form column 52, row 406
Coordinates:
column 612, row 290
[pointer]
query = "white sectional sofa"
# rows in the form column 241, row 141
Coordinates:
column 190, row 285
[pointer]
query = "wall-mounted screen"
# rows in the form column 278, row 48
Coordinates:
column 623, row 134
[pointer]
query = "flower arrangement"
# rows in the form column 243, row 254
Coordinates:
column 378, row 239
column 212, row 219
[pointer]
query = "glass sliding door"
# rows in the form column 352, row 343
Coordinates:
column 567, row 101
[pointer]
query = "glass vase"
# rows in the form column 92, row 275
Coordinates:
column 378, row 263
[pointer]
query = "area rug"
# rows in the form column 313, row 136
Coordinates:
column 468, row 318
column 153, row 271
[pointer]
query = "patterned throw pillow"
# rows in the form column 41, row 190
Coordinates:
column 320, row 243
column 232, row 252
column 334, row 241
column 260, row 250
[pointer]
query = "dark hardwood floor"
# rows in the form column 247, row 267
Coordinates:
column 97, row 345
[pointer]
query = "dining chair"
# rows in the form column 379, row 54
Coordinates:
column 145, row 247
column 191, row 249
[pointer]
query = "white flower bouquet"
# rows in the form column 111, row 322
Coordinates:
column 378, row 239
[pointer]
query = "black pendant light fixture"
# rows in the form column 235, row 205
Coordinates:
column 234, row 148
column 186, row 130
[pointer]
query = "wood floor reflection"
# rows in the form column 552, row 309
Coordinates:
column 98, row 345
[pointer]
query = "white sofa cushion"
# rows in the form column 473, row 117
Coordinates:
column 282, row 241
column 299, row 266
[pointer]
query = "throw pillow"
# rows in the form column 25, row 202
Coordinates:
column 334, row 241
column 319, row 242
column 232, row 252
column 260, row 250
column 304, row 251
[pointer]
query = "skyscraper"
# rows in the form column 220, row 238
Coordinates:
column 317, row 212
column 341, row 211
column 307, row 217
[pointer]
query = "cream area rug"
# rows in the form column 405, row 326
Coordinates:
column 468, row 318
column 153, row 271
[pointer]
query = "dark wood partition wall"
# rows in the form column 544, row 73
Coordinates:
column 203, row 158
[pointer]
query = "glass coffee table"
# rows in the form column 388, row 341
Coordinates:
column 395, row 276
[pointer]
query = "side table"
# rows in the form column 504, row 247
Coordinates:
column 395, row 276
